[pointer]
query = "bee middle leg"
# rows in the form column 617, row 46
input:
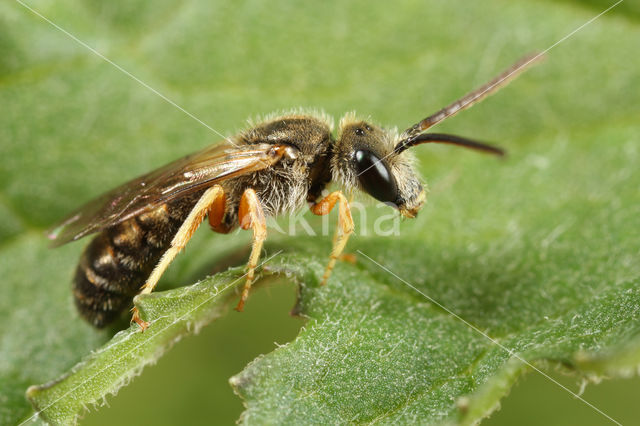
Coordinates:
column 211, row 198
column 250, row 215
column 345, row 226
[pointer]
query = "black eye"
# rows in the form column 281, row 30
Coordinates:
column 359, row 131
column 375, row 177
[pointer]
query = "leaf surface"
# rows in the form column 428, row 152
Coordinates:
column 538, row 251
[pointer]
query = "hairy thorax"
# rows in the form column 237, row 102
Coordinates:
column 288, row 185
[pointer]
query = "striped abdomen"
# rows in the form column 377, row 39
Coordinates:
column 118, row 261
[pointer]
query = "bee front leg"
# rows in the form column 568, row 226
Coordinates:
column 345, row 226
column 250, row 215
column 211, row 197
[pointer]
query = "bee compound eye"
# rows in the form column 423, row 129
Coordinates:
column 374, row 177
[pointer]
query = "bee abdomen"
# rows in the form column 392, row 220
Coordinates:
column 117, row 262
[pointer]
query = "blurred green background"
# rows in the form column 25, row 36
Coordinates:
column 226, row 61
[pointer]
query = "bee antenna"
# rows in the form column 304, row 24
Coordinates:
column 448, row 139
column 475, row 96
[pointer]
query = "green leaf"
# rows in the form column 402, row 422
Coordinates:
column 171, row 314
column 538, row 251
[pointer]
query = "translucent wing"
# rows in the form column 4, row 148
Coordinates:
column 185, row 176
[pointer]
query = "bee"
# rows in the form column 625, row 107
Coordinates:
column 276, row 166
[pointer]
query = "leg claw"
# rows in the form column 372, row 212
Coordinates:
column 136, row 318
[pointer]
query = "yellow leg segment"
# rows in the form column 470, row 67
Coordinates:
column 344, row 230
column 184, row 234
column 250, row 215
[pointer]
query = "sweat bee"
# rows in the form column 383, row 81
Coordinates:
column 274, row 167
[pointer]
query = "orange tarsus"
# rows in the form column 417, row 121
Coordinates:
column 136, row 318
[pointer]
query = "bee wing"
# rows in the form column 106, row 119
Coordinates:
column 179, row 178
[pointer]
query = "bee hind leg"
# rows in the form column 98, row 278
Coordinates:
column 250, row 215
column 211, row 197
column 344, row 230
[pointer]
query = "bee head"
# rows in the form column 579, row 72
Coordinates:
column 377, row 162
column 364, row 157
